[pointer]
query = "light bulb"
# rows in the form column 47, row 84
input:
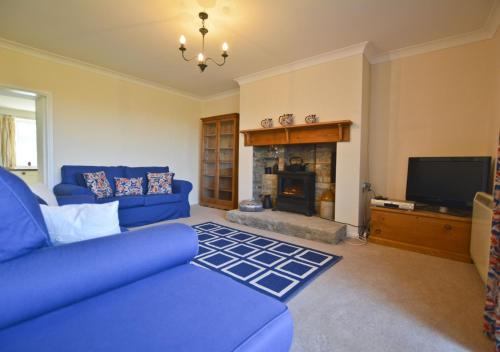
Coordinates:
column 182, row 40
column 225, row 46
column 200, row 57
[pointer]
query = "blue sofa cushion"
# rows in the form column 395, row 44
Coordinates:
column 125, row 201
column 184, row 309
column 22, row 228
column 53, row 277
column 142, row 171
column 72, row 174
column 154, row 199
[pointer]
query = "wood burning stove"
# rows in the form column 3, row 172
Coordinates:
column 296, row 192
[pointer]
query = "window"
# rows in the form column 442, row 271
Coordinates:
column 26, row 156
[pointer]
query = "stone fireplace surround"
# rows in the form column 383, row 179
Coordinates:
column 319, row 158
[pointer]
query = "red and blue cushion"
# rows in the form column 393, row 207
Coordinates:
column 128, row 186
column 160, row 182
column 98, row 184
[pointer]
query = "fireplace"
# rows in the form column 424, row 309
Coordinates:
column 321, row 159
column 296, row 192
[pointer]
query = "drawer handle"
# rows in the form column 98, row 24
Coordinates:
column 378, row 231
column 447, row 227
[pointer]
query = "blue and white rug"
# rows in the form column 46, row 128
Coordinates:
column 276, row 268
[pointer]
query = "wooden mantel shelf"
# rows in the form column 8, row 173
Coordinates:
column 321, row 132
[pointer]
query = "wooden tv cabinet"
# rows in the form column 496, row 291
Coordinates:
column 425, row 232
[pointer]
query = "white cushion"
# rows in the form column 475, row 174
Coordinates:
column 78, row 222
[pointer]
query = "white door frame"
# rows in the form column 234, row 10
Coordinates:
column 47, row 133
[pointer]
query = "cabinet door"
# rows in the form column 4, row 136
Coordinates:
column 225, row 167
column 447, row 235
column 209, row 162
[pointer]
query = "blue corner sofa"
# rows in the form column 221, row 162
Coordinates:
column 133, row 210
column 135, row 291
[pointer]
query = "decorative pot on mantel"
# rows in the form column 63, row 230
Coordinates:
column 312, row 118
column 267, row 123
column 286, row 119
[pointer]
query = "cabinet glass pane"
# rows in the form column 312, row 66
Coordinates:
column 226, row 195
column 210, row 136
column 226, row 127
column 210, row 129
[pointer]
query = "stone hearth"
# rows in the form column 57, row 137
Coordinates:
column 311, row 228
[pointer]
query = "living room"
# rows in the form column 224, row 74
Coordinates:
column 158, row 164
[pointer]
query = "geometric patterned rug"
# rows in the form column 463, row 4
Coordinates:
column 276, row 268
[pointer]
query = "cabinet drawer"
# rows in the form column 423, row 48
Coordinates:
column 421, row 231
column 448, row 235
column 393, row 226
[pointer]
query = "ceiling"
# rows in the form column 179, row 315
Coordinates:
column 140, row 38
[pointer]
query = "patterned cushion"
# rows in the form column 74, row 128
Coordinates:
column 160, row 182
column 98, row 184
column 128, row 186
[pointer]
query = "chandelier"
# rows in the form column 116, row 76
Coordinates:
column 202, row 59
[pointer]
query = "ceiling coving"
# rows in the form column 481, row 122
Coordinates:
column 202, row 59
column 264, row 35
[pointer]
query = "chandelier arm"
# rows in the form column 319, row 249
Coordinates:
column 215, row 62
column 185, row 59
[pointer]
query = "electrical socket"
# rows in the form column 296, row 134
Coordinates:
column 366, row 186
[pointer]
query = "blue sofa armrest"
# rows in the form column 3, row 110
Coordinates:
column 53, row 277
column 73, row 194
column 66, row 189
column 181, row 186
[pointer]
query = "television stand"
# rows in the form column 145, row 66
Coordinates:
column 422, row 231
column 443, row 210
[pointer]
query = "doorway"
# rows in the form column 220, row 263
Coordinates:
column 25, row 135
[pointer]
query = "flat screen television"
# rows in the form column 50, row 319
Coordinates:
column 450, row 182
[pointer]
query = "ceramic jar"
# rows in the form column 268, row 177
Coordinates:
column 267, row 123
column 311, row 118
column 286, row 119
column 327, row 204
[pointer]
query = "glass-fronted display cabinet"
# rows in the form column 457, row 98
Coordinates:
column 219, row 161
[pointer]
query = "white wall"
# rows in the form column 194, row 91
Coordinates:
column 441, row 103
column 225, row 105
column 333, row 91
column 104, row 120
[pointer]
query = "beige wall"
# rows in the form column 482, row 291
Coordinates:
column 226, row 105
column 102, row 120
column 333, row 91
column 441, row 103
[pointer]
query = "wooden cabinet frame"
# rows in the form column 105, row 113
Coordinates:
column 223, row 197
column 420, row 231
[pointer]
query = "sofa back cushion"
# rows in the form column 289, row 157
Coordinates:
column 143, row 172
column 22, row 228
column 73, row 174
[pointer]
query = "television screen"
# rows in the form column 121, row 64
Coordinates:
column 447, row 181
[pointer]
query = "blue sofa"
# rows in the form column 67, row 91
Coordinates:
column 127, row 292
column 133, row 210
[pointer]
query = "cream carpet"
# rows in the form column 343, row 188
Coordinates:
column 382, row 299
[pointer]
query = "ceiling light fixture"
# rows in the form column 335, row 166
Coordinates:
column 202, row 59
